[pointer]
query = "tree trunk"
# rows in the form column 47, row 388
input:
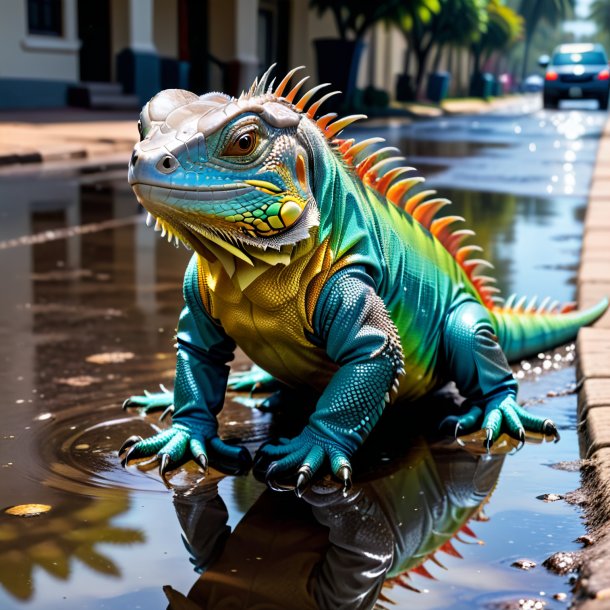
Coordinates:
column 437, row 58
column 526, row 52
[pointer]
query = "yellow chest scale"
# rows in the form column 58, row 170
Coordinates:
column 270, row 318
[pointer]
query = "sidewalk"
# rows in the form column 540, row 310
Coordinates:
column 593, row 586
column 64, row 134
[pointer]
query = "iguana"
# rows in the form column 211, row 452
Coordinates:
column 323, row 259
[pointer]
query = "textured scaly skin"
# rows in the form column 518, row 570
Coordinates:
column 318, row 261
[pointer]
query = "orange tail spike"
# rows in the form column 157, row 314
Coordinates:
column 422, row 571
column 372, row 174
column 465, row 251
column 389, row 177
column 405, row 585
column 307, row 96
column 450, row 549
column 314, row 107
column 357, row 148
column 345, row 145
column 377, row 155
column 453, row 242
column 323, row 121
column 386, row 599
column 397, row 191
column 567, row 307
column 290, row 97
column 417, row 198
column 435, row 560
column 280, row 88
column 468, row 531
column 425, row 212
column 441, row 227
column 334, row 128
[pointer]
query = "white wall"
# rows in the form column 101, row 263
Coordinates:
column 39, row 57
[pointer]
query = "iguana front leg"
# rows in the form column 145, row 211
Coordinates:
column 199, row 390
column 351, row 322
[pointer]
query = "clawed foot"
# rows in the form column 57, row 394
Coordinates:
column 153, row 401
column 501, row 414
column 179, row 443
column 299, row 459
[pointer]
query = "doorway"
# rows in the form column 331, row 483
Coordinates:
column 94, row 33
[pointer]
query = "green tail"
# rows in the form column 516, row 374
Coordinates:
column 522, row 335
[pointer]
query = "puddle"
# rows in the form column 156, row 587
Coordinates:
column 88, row 318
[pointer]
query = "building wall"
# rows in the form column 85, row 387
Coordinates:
column 119, row 24
column 305, row 27
column 36, row 70
column 221, row 29
column 37, row 57
column 165, row 27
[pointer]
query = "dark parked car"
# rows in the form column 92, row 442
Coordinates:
column 576, row 71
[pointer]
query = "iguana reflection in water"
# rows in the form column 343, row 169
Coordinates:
column 334, row 548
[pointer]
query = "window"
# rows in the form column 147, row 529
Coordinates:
column 45, row 17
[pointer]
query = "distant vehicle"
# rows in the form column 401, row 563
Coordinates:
column 576, row 71
column 532, row 84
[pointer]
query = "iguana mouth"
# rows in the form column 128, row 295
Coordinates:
column 220, row 192
column 183, row 226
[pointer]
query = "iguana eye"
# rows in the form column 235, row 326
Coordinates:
column 243, row 144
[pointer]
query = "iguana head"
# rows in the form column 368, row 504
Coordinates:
column 235, row 172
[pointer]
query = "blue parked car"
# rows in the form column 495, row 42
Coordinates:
column 576, row 71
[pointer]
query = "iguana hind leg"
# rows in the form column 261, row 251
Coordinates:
column 255, row 379
column 477, row 364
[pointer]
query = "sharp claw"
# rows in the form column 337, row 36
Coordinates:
column 202, row 460
column 163, row 466
column 271, row 482
column 127, row 456
column 489, row 438
column 550, row 429
column 345, row 474
column 521, row 439
column 132, row 440
column 301, row 484
column 165, row 413
column 303, row 479
column 458, row 440
column 126, row 403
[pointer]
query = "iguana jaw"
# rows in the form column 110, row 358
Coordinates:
column 178, row 215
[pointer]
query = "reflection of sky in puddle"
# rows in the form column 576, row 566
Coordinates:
column 525, row 155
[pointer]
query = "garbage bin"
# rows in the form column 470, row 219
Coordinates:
column 482, row 85
column 438, row 86
column 405, row 90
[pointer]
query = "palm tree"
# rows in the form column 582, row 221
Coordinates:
column 458, row 24
column 600, row 15
column 504, row 28
column 533, row 11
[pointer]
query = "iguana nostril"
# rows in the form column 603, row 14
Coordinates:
column 134, row 158
column 167, row 164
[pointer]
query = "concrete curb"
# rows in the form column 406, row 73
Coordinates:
column 593, row 349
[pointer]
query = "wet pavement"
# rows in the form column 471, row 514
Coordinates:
column 89, row 307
